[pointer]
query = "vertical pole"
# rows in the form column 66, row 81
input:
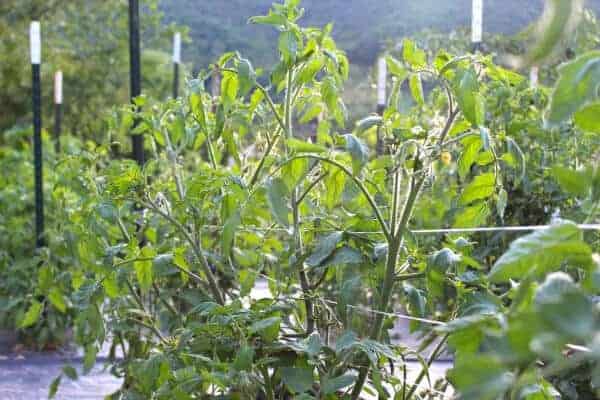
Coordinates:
column 534, row 76
column 36, row 60
column 58, row 100
column 477, row 25
column 381, row 98
column 176, row 62
column 137, row 140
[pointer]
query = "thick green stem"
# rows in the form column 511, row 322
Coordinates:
column 394, row 247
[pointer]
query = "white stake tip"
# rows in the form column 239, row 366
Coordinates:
column 177, row 48
column 35, row 42
column 381, row 81
column 477, row 21
column 58, row 87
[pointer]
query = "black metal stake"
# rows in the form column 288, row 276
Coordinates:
column 175, row 80
column 35, row 43
column 58, row 110
column 137, row 140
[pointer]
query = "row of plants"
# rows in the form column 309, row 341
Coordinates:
column 159, row 261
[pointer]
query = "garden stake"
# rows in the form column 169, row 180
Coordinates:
column 477, row 25
column 137, row 140
column 58, row 99
column 381, row 98
column 36, row 59
column 534, row 74
column 176, row 62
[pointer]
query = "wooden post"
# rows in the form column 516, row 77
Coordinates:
column 36, row 60
column 381, row 98
column 58, row 101
column 176, row 63
column 137, row 140
column 477, row 25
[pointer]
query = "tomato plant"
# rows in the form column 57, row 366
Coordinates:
column 267, row 182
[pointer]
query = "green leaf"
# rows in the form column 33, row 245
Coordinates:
column 54, row 387
column 57, row 299
column 247, row 76
column 472, row 216
column 144, row 268
column 298, row 380
column 367, row 123
column 89, row 358
column 229, row 229
column 414, row 56
column 243, row 359
column 564, row 307
column 471, row 103
column 396, row 68
column 480, row 378
column 267, row 328
column 308, row 73
column 577, row 86
column 32, row 315
column 345, row 255
column 197, row 108
column 325, row 247
column 587, row 118
column 246, row 279
column 229, row 88
column 481, row 188
column 288, row 45
column 416, row 88
column 270, row 19
column 574, row 182
column 303, row 146
column 358, row 151
column 332, row 385
column 70, row 372
column 334, row 183
column 542, row 251
column 277, row 193
column 469, row 155
column 345, row 341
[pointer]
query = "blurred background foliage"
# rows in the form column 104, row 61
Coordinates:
column 88, row 41
column 93, row 53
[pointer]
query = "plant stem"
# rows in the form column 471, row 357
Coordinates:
column 196, row 248
column 394, row 247
column 434, row 355
column 261, row 164
column 295, row 205
column 356, row 180
column 268, row 384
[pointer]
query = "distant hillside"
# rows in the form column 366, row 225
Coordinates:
column 361, row 26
